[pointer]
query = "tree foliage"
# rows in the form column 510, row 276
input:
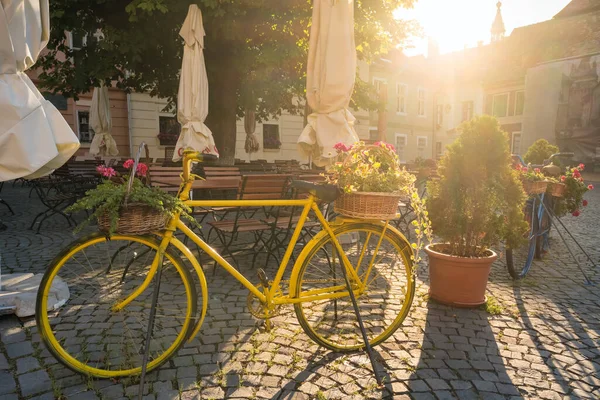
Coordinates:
column 478, row 199
column 255, row 50
column 539, row 151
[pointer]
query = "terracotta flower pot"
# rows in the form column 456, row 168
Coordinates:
column 458, row 281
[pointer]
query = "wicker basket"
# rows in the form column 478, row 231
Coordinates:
column 368, row 205
column 557, row 189
column 535, row 187
column 135, row 219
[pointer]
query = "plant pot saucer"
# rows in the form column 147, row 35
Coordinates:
column 457, row 304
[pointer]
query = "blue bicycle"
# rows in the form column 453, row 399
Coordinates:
column 539, row 213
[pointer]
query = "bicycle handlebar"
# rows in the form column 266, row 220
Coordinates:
column 189, row 156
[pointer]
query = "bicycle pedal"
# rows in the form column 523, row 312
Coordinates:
column 262, row 277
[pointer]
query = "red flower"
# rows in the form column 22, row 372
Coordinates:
column 576, row 173
column 340, row 147
column 576, row 213
column 537, row 170
column 590, row 187
column 525, row 169
column 108, row 172
column 141, row 169
column 581, row 166
column 585, row 203
column 100, row 169
column 128, row 164
column 562, row 178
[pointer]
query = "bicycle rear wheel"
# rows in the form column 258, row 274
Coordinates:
column 385, row 302
column 519, row 260
column 86, row 334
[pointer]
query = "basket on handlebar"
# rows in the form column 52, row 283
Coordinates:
column 557, row 189
column 536, row 187
column 368, row 204
column 135, row 218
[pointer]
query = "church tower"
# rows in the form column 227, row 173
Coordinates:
column 498, row 30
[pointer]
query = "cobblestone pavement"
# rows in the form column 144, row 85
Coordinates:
column 543, row 344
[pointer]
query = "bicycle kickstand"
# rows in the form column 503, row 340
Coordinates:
column 362, row 328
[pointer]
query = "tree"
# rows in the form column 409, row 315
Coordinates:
column 255, row 51
column 540, row 151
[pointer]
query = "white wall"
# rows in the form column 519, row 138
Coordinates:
column 145, row 111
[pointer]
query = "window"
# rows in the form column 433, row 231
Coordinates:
column 77, row 40
column 378, row 82
column 57, row 100
column 520, row 103
column 401, row 90
column 83, row 126
column 438, row 150
column 421, row 102
column 271, row 136
column 373, row 134
column 467, row 110
column 421, row 141
column 168, row 125
column 515, row 145
column 401, row 140
column 440, row 115
column 500, row 105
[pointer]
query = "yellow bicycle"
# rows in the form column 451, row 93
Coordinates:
column 102, row 330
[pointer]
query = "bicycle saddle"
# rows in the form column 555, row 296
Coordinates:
column 325, row 192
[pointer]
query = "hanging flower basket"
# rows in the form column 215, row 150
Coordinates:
column 536, row 187
column 368, row 205
column 557, row 189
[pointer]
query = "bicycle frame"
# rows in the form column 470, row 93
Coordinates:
column 268, row 295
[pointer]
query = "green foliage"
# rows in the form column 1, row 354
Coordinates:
column 478, row 199
column 492, row 306
column 529, row 173
column 539, row 151
column 109, row 197
column 255, row 51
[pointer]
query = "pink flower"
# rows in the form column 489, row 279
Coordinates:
column 108, row 172
column 585, row 203
column 581, row 166
column 590, row 187
column 525, row 169
column 141, row 169
column 128, row 164
column 100, row 169
column 537, row 170
column 562, row 178
column 387, row 145
column 576, row 173
column 576, row 213
column 341, row 147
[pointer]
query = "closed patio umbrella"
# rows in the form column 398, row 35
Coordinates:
column 34, row 137
column 251, row 145
column 103, row 144
column 192, row 98
column 330, row 78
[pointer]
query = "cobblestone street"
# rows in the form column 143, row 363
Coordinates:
column 538, row 338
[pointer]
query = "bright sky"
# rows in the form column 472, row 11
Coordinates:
column 456, row 23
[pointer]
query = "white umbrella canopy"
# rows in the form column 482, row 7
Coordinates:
column 192, row 98
column 330, row 80
column 103, row 144
column 34, row 137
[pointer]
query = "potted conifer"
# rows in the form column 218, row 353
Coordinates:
column 477, row 201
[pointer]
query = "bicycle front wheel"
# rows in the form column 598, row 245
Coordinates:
column 381, row 260
column 519, row 259
column 86, row 333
